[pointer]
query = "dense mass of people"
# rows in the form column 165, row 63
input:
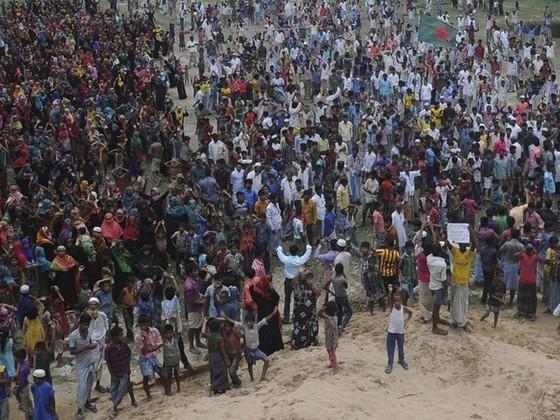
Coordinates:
column 132, row 221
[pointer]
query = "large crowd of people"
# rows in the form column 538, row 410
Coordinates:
column 139, row 223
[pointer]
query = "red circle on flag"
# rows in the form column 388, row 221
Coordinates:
column 441, row 32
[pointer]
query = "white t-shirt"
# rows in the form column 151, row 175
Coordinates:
column 298, row 228
column 438, row 274
column 396, row 321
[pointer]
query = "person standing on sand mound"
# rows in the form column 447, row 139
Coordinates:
column 438, row 279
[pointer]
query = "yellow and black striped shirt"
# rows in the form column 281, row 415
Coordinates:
column 389, row 262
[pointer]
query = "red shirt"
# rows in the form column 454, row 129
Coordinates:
column 479, row 51
column 528, row 268
column 387, row 190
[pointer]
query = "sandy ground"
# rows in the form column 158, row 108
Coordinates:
column 503, row 373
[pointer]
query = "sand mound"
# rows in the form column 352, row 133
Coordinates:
column 508, row 373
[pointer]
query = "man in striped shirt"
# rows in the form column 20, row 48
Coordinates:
column 389, row 264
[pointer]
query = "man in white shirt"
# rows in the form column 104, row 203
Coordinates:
column 256, row 176
column 217, row 150
column 237, row 179
column 274, row 220
column 288, row 188
column 320, row 204
column 438, row 282
column 409, row 190
column 369, row 159
column 192, row 49
column 468, row 91
column 370, row 192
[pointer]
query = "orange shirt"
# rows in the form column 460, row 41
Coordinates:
column 309, row 211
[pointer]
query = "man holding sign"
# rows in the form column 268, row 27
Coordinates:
column 463, row 258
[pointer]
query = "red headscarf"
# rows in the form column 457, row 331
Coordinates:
column 110, row 229
column 17, row 251
column 131, row 231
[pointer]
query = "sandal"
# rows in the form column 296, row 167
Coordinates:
column 91, row 407
column 388, row 370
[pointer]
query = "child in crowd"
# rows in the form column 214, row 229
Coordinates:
column 33, row 331
column 232, row 344
column 328, row 312
column 227, row 306
column 171, row 357
column 84, row 294
column 251, row 334
column 43, row 397
column 148, row 340
column 217, row 358
column 21, row 390
column 145, row 304
column 396, row 329
column 407, row 266
column 43, row 359
column 299, row 231
column 118, row 356
column 497, row 295
column 126, row 301
column 340, row 286
column 104, row 292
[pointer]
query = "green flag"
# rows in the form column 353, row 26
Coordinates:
column 436, row 32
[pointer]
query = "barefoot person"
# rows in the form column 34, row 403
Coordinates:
column 117, row 356
column 527, row 297
column 463, row 258
column 148, row 340
column 329, row 313
column 194, row 307
column 251, row 334
column 438, row 281
column 83, row 349
column 497, row 296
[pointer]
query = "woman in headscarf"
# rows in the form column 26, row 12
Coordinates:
column 131, row 234
column 4, row 233
column 65, row 231
column 17, row 252
column 44, row 268
column 266, row 298
column 120, row 218
column 123, row 265
column 27, row 250
column 128, row 199
column 110, row 229
column 65, row 270
column 45, row 240
column 306, row 324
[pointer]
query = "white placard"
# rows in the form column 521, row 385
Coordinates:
column 458, row 233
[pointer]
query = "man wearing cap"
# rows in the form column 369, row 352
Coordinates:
column 25, row 303
column 43, row 397
column 98, row 328
column 345, row 258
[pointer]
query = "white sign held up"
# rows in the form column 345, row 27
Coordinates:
column 458, row 233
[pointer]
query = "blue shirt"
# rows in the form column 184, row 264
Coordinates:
column 230, row 310
column 292, row 263
column 328, row 229
column 251, row 197
column 42, row 394
column 549, row 185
